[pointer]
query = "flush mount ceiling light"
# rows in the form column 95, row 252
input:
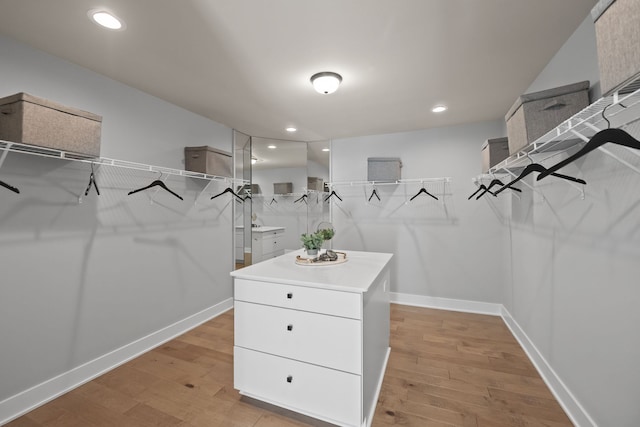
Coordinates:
column 272, row 147
column 106, row 19
column 439, row 109
column 291, row 129
column 325, row 149
column 326, row 82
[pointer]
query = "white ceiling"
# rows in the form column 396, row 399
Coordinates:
column 247, row 63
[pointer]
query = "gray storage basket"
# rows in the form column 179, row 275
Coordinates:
column 383, row 169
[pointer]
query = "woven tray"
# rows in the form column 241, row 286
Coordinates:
column 342, row 257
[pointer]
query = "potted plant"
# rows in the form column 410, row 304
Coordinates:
column 312, row 242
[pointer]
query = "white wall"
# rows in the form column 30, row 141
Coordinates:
column 451, row 248
column 82, row 280
column 574, row 288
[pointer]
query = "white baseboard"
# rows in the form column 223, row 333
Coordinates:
column 21, row 403
column 566, row 399
column 446, row 303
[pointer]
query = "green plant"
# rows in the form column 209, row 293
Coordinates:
column 312, row 240
column 327, row 233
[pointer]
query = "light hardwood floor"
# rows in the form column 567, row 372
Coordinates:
column 445, row 369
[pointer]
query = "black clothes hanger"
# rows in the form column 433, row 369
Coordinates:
column 374, row 193
column 228, row 190
column 92, row 181
column 303, row 198
column 9, row 187
column 482, row 187
column 273, row 200
column 536, row 167
column 615, row 136
column 333, row 193
column 156, row 183
column 422, row 191
column 492, row 184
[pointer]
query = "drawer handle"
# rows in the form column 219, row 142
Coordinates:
column 289, row 379
column 289, row 327
column 290, row 295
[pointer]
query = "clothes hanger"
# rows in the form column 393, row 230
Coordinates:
column 492, row 184
column 228, row 190
column 482, row 187
column 333, row 193
column 156, row 183
column 536, row 167
column 92, row 181
column 303, row 198
column 422, row 191
column 9, row 187
column 613, row 135
column 273, row 200
column 374, row 193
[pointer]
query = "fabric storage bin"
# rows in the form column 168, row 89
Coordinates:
column 315, row 184
column 534, row 114
column 383, row 169
column 208, row 160
column 618, row 39
column 28, row 119
column 493, row 152
column 282, row 188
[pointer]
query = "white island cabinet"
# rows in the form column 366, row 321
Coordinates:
column 314, row 339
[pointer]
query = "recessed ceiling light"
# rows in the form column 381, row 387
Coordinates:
column 439, row 109
column 106, row 19
column 273, row 147
column 325, row 149
column 291, row 129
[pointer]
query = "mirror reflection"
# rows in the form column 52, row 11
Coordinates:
column 287, row 193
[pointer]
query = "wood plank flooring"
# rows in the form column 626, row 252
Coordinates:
column 445, row 369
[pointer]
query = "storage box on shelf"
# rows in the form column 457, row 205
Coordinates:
column 315, row 184
column 208, row 160
column 494, row 151
column 282, row 188
column 617, row 39
column 36, row 121
column 534, row 114
column 384, row 169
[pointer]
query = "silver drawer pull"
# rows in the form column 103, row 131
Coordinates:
column 289, row 327
column 289, row 379
column 290, row 295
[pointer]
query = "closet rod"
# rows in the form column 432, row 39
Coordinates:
column 396, row 182
column 8, row 146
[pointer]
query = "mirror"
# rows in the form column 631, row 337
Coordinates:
column 242, row 212
column 287, row 184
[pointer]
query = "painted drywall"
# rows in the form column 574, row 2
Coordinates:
column 574, row 273
column 80, row 280
column 450, row 248
column 574, row 62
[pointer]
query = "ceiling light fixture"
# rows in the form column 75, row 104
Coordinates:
column 291, row 129
column 325, row 149
column 106, row 19
column 272, row 147
column 439, row 109
column 326, row 82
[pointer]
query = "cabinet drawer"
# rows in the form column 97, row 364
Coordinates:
column 337, row 303
column 323, row 393
column 320, row 339
column 271, row 244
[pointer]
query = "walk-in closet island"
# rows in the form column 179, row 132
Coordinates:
column 314, row 338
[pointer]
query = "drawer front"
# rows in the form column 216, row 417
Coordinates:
column 271, row 244
column 324, row 340
column 344, row 304
column 312, row 390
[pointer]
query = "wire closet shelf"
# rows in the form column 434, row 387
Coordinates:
column 620, row 109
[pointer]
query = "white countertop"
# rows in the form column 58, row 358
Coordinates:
column 355, row 275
